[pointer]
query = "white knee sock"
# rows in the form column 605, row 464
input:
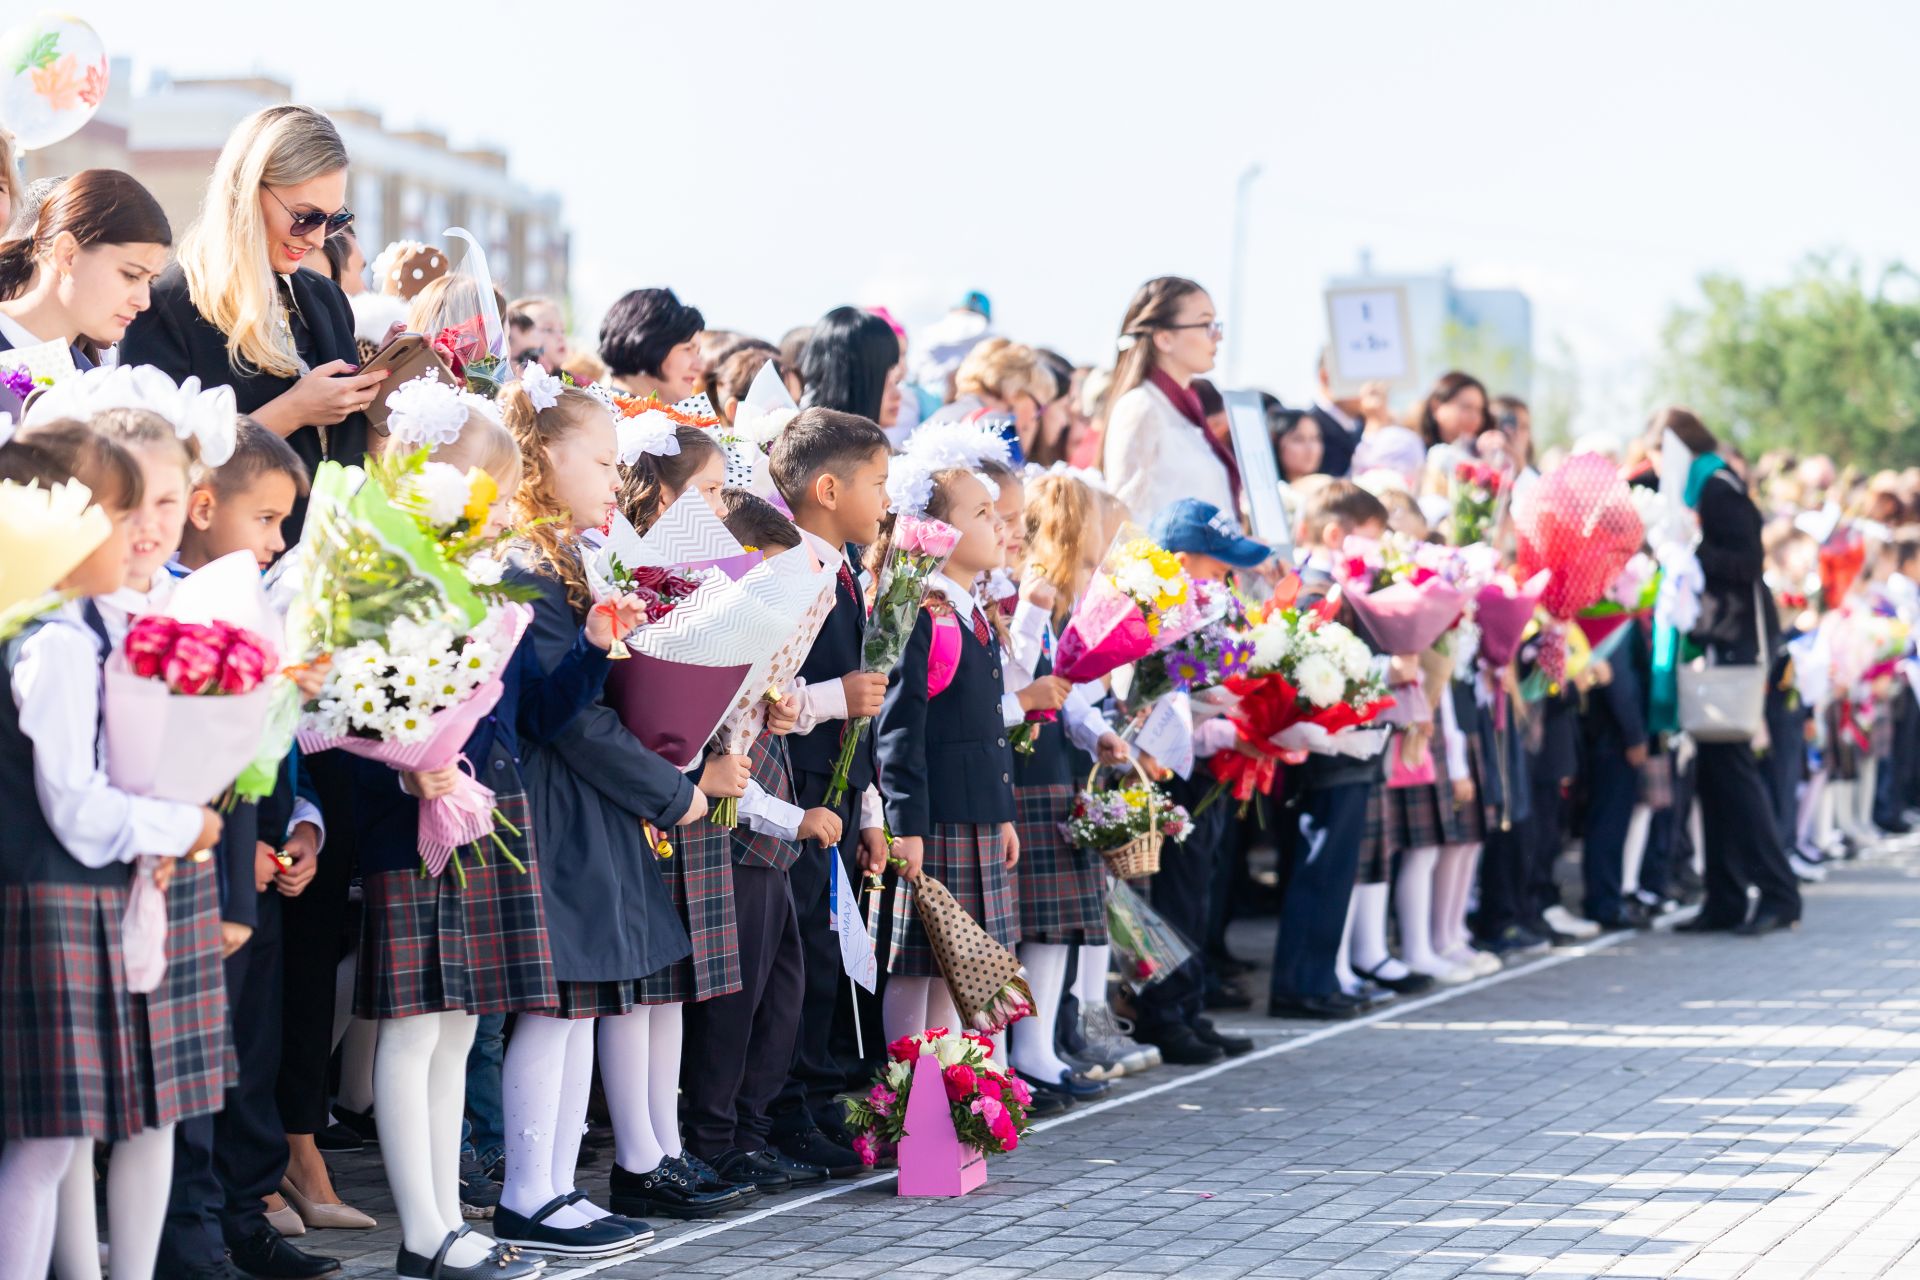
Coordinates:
column 941, row 1011
column 76, row 1228
column 535, row 1085
column 409, row 1110
column 447, row 1100
column 903, row 1007
column 663, row 1078
column 1033, row 1049
column 357, row 1045
column 1367, row 919
column 1635, row 853
column 575, row 1093
column 1090, row 983
column 139, row 1182
column 31, row 1170
column 1413, row 906
column 626, row 1060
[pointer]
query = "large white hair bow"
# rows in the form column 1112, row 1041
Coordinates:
column 542, row 388
column 207, row 416
column 651, row 433
column 425, row 412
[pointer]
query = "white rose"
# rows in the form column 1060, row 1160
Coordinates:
column 949, row 1050
column 1319, row 681
column 898, row 1073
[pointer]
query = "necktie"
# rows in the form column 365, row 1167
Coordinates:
column 852, row 588
column 980, row 628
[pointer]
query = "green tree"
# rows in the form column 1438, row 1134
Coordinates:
column 1823, row 363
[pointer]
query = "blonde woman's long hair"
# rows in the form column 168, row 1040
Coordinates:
column 224, row 253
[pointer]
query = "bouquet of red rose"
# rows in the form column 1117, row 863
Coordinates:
column 1476, row 487
column 989, row 1105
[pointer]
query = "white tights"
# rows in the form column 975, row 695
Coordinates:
column 419, row 1098
column 31, row 1170
column 139, row 1180
column 1090, row 983
column 545, row 1080
column 1452, row 886
column 640, row 1071
column 1033, row 1040
column 910, row 1006
column 1367, row 925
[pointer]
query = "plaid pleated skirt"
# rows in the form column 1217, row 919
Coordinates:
column 699, row 875
column 435, row 945
column 969, row 861
column 605, row 999
column 1062, row 890
column 1424, row 816
column 1376, row 860
column 185, row 1050
column 68, row 1046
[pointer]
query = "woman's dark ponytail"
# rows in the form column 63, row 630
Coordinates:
column 16, row 266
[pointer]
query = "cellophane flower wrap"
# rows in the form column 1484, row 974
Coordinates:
column 1213, row 652
column 1579, row 521
column 400, row 593
column 664, row 566
column 920, row 546
column 989, row 1104
column 44, row 534
column 1146, row 948
column 183, row 704
column 1311, row 681
column 1475, row 492
column 1140, row 600
column 1110, row 818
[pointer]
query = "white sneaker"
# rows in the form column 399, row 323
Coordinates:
column 1481, row 962
column 1561, row 920
column 1808, row 872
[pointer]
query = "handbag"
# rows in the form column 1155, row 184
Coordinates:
column 1727, row 703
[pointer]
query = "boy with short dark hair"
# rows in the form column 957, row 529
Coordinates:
column 831, row 469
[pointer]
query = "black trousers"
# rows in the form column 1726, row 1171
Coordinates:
column 1742, row 847
column 1546, row 837
column 1182, row 892
column 250, row 1143
column 1329, row 824
column 1783, row 769
column 1613, row 785
column 824, row 1058
column 315, row 930
column 739, row 1046
column 1504, row 865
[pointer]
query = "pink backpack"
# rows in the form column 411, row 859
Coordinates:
column 943, row 658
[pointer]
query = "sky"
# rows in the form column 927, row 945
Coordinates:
column 770, row 161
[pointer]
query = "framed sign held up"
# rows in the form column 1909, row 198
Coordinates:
column 1370, row 339
column 1259, row 469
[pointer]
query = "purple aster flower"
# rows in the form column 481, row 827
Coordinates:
column 1186, row 670
column 18, row 381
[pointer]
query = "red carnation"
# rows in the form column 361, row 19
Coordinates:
column 961, row 1082
column 149, row 640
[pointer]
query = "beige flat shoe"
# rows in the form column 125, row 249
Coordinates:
column 286, row 1221
column 321, row 1217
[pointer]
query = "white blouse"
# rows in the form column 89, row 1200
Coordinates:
column 1154, row 456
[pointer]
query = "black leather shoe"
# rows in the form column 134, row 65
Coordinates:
column 1046, row 1103
column 1702, row 924
column 338, row 1137
column 707, row 1178
column 503, row 1262
column 359, row 1123
column 799, row 1172
column 599, row 1239
column 1411, row 984
column 665, row 1191
column 1333, row 1008
column 1226, row 996
column 1075, row 1088
column 1180, row 1047
column 1231, row 1045
column 815, row 1148
column 753, row 1168
column 267, row 1255
column 1765, row 922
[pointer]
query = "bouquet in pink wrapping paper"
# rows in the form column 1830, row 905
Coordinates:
column 410, row 700
column 796, row 583
column 1403, row 607
column 184, row 702
column 1502, row 610
column 1139, row 601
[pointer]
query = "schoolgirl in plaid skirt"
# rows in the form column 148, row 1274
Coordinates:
column 946, row 765
column 73, row 1057
column 699, row 875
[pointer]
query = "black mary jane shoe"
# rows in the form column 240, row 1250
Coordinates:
column 601, row 1238
column 665, row 1191
column 1407, row 984
column 503, row 1262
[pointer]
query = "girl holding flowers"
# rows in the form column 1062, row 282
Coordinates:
column 946, row 761
column 70, row 1047
column 610, row 919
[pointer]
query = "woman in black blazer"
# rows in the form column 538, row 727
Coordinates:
column 1736, row 625
column 236, row 310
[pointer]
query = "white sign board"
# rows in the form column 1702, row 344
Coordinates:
column 1259, row 469
column 1370, row 339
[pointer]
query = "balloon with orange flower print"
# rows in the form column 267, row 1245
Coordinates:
column 53, row 77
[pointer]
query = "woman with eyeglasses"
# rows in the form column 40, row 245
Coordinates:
column 236, row 309
column 1156, row 448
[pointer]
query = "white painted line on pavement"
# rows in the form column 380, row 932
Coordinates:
column 1391, row 1013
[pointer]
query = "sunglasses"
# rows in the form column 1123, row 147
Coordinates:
column 305, row 224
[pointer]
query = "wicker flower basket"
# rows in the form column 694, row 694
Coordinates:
column 1139, row 856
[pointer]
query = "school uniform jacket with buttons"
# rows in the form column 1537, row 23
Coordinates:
column 946, row 759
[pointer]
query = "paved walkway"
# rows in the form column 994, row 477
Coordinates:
column 1653, row 1106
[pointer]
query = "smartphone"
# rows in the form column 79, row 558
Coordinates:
column 407, row 357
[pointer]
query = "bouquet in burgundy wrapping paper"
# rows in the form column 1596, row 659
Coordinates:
column 660, row 566
column 410, row 701
column 797, row 584
column 1502, row 610
column 1580, row 522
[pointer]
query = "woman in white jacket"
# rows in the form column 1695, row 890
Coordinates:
column 1156, row 447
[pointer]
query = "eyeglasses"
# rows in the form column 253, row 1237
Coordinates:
column 305, row 224
column 1214, row 328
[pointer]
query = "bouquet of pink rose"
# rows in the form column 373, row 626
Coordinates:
column 989, row 1105
column 921, row 545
